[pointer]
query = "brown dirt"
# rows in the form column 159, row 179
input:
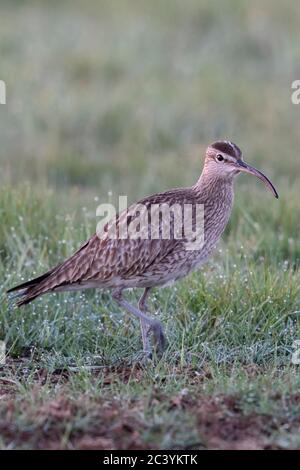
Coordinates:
column 108, row 423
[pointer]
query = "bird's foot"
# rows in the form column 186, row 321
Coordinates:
column 159, row 337
column 151, row 353
column 143, row 358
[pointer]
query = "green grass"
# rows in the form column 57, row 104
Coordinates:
column 123, row 97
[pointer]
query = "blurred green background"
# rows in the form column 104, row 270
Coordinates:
column 125, row 95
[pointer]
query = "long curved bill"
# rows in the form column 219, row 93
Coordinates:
column 242, row 166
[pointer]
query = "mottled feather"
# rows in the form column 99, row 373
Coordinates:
column 105, row 262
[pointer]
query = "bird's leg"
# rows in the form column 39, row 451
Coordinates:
column 157, row 328
column 154, row 325
column 145, row 327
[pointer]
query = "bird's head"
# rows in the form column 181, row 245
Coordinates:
column 224, row 159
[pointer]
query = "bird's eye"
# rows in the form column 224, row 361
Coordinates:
column 220, row 158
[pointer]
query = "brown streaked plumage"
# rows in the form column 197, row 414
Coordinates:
column 117, row 264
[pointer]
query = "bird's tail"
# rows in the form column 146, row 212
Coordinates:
column 63, row 275
column 30, row 290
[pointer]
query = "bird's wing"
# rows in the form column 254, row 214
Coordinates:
column 104, row 258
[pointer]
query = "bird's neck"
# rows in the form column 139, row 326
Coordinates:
column 214, row 187
column 216, row 195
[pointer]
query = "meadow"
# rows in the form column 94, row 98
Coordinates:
column 111, row 98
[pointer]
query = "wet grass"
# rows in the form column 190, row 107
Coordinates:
column 125, row 100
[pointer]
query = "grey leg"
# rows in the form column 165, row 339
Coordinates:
column 153, row 325
column 145, row 327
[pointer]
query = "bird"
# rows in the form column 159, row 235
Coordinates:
column 146, row 261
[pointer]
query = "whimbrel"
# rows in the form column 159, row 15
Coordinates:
column 118, row 263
